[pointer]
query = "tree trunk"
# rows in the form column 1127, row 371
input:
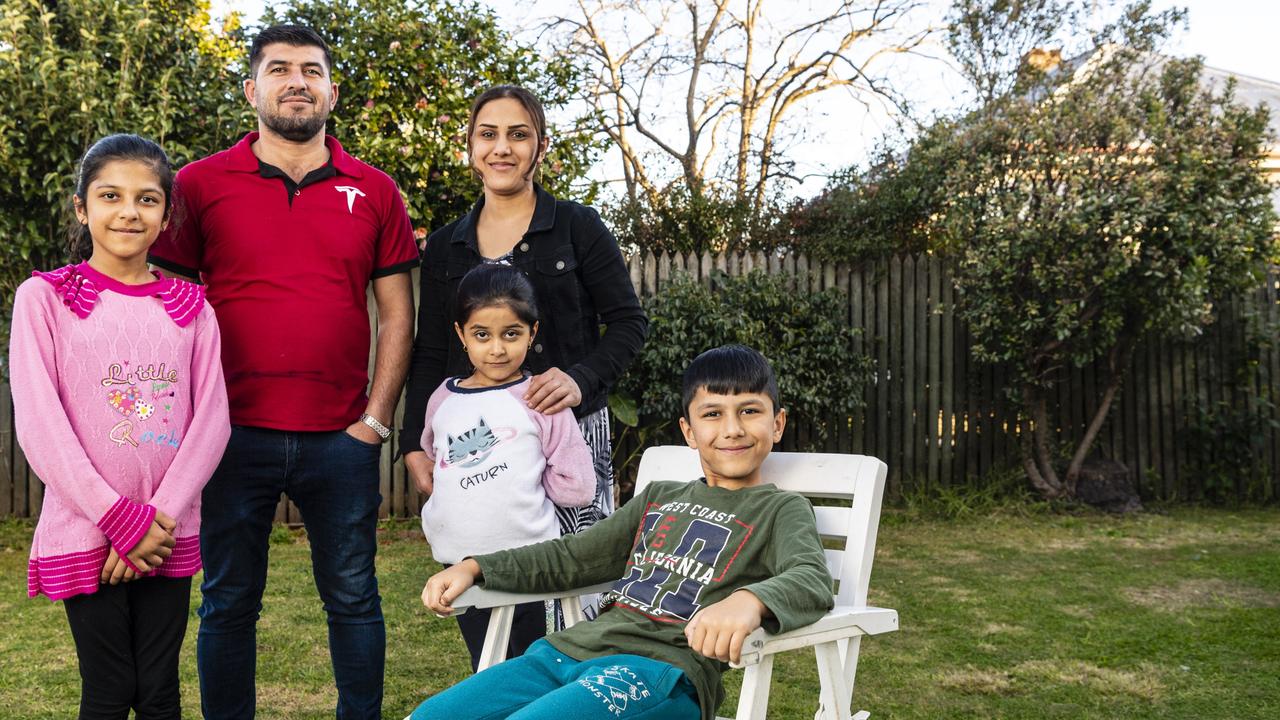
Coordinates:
column 1090, row 434
column 1117, row 361
column 1037, row 458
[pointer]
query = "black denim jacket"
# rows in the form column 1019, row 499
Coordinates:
column 581, row 282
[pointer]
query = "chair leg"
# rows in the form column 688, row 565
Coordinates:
column 497, row 636
column 849, row 653
column 753, row 701
column 572, row 609
column 833, row 692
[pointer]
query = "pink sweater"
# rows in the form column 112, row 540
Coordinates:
column 121, row 409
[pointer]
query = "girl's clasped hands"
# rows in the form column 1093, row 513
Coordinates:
column 150, row 553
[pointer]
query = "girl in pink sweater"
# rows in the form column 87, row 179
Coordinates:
column 121, row 409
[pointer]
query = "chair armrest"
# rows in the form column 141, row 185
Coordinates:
column 840, row 623
column 479, row 597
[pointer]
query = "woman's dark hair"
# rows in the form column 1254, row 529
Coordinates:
column 295, row 35
column 492, row 285
column 112, row 148
column 729, row 370
column 531, row 105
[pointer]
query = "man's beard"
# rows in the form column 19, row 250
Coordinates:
column 294, row 128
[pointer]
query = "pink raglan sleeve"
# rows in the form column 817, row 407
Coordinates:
column 570, row 476
column 206, row 436
column 433, row 406
column 45, row 432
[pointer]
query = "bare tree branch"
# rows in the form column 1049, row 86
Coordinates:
column 746, row 67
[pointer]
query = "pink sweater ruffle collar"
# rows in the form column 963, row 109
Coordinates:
column 80, row 286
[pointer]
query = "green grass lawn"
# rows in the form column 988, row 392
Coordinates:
column 1047, row 616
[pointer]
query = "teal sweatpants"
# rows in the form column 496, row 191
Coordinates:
column 546, row 684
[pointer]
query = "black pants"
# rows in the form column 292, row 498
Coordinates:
column 528, row 625
column 127, row 639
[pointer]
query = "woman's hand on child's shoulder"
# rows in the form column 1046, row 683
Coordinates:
column 719, row 629
column 445, row 586
column 553, row 391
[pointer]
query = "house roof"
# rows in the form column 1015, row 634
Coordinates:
column 1250, row 91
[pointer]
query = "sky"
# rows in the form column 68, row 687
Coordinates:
column 1234, row 35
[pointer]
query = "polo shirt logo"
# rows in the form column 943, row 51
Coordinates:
column 351, row 192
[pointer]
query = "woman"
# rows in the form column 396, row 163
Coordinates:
column 577, row 272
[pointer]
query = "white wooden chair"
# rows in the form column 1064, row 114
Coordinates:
column 854, row 479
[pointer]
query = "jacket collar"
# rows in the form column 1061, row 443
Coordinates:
column 240, row 157
column 544, row 217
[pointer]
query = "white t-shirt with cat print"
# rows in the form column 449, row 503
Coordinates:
column 499, row 467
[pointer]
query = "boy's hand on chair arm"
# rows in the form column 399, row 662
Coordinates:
column 719, row 630
column 445, row 586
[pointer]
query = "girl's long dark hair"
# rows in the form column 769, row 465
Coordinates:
column 107, row 150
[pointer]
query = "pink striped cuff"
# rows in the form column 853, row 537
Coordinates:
column 126, row 523
column 62, row 576
column 185, row 560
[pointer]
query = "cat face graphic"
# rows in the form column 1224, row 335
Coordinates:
column 471, row 447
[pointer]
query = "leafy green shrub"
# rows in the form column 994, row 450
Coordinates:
column 802, row 333
column 73, row 71
column 1226, row 443
column 678, row 220
column 876, row 211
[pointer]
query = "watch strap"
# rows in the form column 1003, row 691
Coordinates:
column 383, row 431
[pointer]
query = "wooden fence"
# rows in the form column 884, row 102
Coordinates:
column 940, row 418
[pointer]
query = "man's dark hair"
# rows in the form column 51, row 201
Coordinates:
column 295, row 35
column 730, row 370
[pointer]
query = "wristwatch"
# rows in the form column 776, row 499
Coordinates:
column 383, row 431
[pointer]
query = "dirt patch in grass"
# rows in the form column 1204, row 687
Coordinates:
column 1001, row 629
column 962, row 557
column 971, row 680
column 1077, row 611
column 1202, row 593
column 1061, row 544
column 1143, row 683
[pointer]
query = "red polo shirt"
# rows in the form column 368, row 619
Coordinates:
column 287, row 269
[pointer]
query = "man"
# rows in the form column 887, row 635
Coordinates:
column 288, row 231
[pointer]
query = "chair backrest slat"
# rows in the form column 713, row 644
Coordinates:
column 849, row 489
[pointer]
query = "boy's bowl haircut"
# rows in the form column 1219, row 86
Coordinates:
column 729, row 370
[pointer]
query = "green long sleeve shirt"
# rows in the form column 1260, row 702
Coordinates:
column 676, row 548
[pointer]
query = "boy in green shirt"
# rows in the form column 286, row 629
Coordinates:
column 701, row 564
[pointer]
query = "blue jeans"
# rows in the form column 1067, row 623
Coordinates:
column 546, row 684
column 333, row 479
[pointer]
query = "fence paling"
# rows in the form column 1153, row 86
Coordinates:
column 932, row 412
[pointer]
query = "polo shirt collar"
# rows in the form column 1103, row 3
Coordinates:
column 242, row 159
column 544, row 217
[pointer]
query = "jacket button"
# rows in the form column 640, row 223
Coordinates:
column 537, row 348
column 559, row 264
column 524, row 247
